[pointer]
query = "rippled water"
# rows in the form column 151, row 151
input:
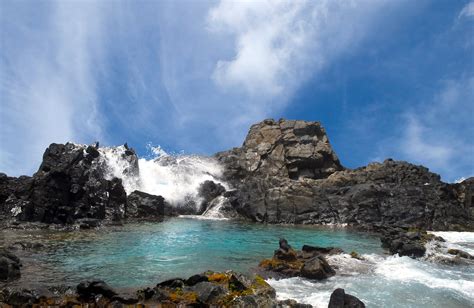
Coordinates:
column 146, row 253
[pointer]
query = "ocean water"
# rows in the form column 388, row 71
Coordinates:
column 143, row 254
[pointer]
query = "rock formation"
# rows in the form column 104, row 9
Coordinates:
column 309, row 263
column 287, row 172
column 210, row 289
column 71, row 185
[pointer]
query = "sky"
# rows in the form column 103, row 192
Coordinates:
column 385, row 78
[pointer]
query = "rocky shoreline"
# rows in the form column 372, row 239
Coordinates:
column 209, row 289
column 286, row 172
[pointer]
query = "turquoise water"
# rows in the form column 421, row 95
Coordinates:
column 144, row 254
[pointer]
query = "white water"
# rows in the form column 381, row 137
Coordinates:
column 175, row 177
column 387, row 281
column 214, row 210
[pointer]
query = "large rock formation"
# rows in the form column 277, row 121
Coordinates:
column 286, row 172
column 71, row 184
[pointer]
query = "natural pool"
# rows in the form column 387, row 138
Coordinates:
column 143, row 254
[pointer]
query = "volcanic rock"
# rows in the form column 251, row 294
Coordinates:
column 287, row 172
column 287, row 262
column 339, row 299
column 143, row 205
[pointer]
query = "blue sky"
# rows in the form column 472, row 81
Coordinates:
column 386, row 78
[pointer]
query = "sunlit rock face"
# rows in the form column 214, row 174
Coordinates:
column 286, row 148
column 287, row 172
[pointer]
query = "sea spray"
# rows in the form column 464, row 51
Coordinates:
column 176, row 177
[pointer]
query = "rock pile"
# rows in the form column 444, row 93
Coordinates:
column 308, row 263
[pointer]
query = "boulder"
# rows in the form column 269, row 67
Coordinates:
column 90, row 289
column 287, row 262
column 144, row 205
column 339, row 299
column 9, row 266
column 406, row 243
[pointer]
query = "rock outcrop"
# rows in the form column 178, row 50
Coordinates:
column 143, row 205
column 71, row 184
column 287, row 172
column 308, row 263
column 405, row 242
column 210, row 289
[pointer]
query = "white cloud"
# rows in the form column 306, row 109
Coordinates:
column 467, row 10
column 279, row 44
column 439, row 133
column 48, row 90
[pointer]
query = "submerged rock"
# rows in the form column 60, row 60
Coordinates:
column 339, row 299
column 9, row 266
column 287, row 262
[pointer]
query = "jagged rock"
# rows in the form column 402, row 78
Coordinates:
column 286, row 172
column 70, row 185
column 406, row 243
column 208, row 191
column 9, row 266
column 308, row 263
column 339, row 299
column 143, row 205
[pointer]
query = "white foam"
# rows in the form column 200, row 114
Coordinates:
column 409, row 270
column 175, row 177
column 455, row 237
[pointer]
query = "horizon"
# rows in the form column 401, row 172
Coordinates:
column 386, row 79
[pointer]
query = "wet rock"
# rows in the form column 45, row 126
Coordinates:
column 208, row 292
column 195, row 279
column 208, row 191
column 406, row 243
column 322, row 250
column 339, row 299
column 460, row 253
column 317, row 268
column 287, row 262
column 9, row 266
column 90, row 289
column 143, row 205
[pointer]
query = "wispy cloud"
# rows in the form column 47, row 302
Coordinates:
column 48, row 91
column 439, row 133
column 467, row 10
column 279, row 44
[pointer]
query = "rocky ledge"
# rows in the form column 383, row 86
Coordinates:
column 210, row 289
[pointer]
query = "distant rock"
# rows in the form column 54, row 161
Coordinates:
column 339, row 299
column 287, row 172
